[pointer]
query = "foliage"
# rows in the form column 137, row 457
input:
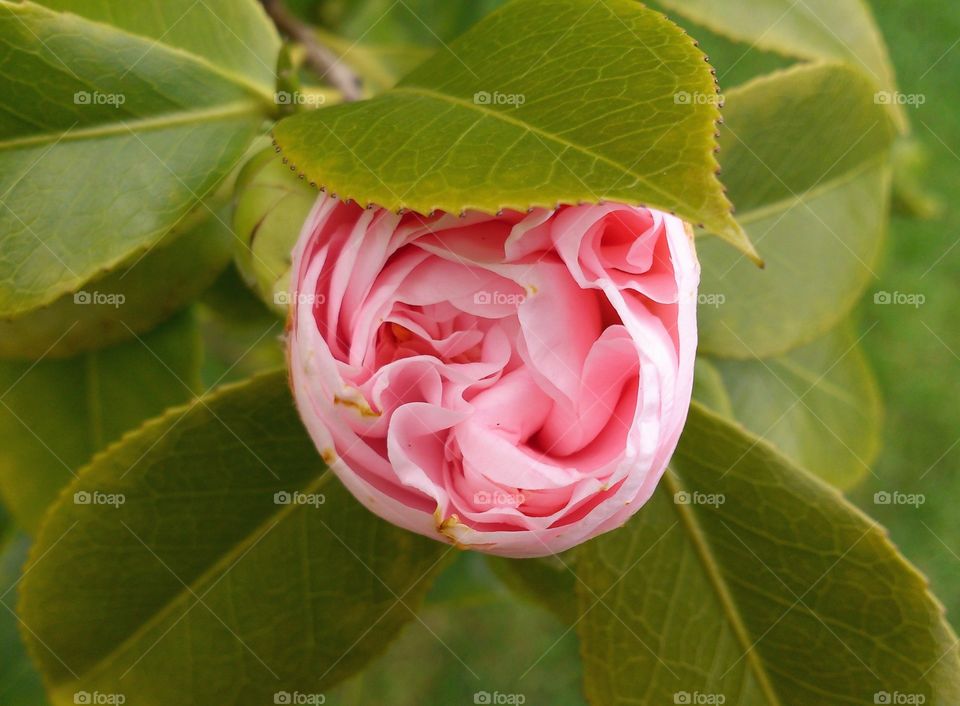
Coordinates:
column 165, row 564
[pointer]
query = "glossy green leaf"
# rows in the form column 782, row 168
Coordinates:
column 20, row 684
column 541, row 103
column 804, row 154
column 749, row 578
column 809, row 29
column 818, row 404
column 203, row 569
column 109, row 139
column 130, row 300
column 234, row 36
column 55, row 414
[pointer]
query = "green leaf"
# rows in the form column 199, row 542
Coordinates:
column 241, row 337
column 804, row 153
column 202, row 571
column 734, row 62
column 818, row 404
column 19, row 682
column 129, row 300
column 109, row 139
column 234, row 36
column 419, row 22
column 548, row 582
column 913, row 349
column 379, row 65
column 479, row 640
column 540, row 103
column 810, row 29
column 708, row 388
column 55, row 414
column 767, row 588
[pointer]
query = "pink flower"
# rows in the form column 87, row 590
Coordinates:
column 513, row 384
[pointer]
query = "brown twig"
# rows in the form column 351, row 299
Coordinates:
column 320, row 58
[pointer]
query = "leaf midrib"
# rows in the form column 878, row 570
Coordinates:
column 123, row 127
column 459, row 102
column 688, row 520
column 193, row 587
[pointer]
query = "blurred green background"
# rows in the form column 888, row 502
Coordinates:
column 916, row 351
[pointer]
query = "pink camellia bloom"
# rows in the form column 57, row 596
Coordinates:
column 514, row 383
